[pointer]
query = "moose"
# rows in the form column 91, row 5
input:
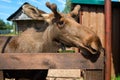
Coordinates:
column 60, row 29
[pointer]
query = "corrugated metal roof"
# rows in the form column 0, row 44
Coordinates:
column 96, row 2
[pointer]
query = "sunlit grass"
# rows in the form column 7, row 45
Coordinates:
column 66, row 51
column 116, row 78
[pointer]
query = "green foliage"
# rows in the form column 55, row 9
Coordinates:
column 6, row 28
column 9, row 26
column 66, row 51
column 2, row 25
column 5, row 25
column 118, row 77
column 67, row 6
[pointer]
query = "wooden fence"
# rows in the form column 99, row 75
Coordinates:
column 93, row 18
column 53, row 61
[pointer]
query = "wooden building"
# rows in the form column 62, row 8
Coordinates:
column 92, row 15
column 23, row 21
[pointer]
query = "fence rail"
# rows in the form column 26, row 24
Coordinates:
column 12, row 61
column 48, row 60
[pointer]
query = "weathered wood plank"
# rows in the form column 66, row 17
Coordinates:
column 93, row 18
column 97, row 74
column 1, row 75
column 100, row 20
column 48, row 61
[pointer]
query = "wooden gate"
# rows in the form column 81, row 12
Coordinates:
column 53, row 61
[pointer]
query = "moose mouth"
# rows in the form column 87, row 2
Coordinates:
column 65, row 43
column 84, row 51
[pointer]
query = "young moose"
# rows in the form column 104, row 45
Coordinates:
column 61, row 29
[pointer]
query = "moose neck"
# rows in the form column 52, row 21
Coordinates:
column 32, row 41
column 48, row 36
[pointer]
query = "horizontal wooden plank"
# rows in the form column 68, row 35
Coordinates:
column 94, row 74
column 48, row 61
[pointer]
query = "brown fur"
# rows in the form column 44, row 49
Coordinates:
column 73, row 33
column 14, row 44
column 31, row 41
column 62, row 27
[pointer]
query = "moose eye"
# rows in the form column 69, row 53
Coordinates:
column 61, row 23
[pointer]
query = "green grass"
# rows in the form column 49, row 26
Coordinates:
column 67, row 51
column 116, row 78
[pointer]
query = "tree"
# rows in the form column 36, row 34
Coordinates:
column 2, row 24
column 67, row 6
column 5, row 25
column 8, row 25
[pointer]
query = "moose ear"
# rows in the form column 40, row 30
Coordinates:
column 75, row 11
column 32, row 11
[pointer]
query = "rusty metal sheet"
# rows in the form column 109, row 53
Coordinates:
column 48, row 61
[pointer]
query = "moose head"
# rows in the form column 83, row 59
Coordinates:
column 65, row 30
column 70, row 32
